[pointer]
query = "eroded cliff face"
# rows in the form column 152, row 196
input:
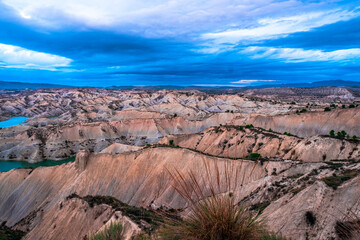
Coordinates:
column 309, row 123
column 141, row 179
column 65, row 121
column 137, row 178
column 239, row 142
column 123, row 150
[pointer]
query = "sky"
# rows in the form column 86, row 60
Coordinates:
column 179, row 42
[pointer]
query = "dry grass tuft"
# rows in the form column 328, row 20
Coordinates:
column 349, row 228
column 112, row 232
column 213, row 212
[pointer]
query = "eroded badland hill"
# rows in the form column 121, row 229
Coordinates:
column 304, row 177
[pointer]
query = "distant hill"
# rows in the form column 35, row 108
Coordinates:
column 210, row 89
column 331, row 83
column 20, row 85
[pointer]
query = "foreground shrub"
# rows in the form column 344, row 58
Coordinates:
column 112, row 232
column 213, row 212
column 348, row 229
column 7, row 233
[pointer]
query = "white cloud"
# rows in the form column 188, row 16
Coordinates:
column 272, row 28
column 154, row 17
column 218, row 85
column 252, row 81
column 301, row 55
column 18, row 57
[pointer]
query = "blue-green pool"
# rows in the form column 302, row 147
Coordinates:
column 8, row 165
column 13, row 122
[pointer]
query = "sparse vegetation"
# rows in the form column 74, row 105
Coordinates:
column 249, row 126
column 335, row 181
column 171, row 142
column 310, row 218
column 112, row 232
column 260, row 207
column 7, row 233
column 136, row 214
column 287, row 134
column 327, row 109
column 297, row 190
column 253, row 156
column 341, row 135
column 332, row 133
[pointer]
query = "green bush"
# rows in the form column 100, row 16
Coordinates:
column 112, row 232
column 336, row 180
column 253, row 156
column 249, row 126
column 171, row 142
column 327, row 109
column 7, row 233
column 310, row 218
column 332, row 133
column 341, row 135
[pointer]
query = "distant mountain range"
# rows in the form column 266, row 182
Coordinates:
column 20, row 85
column 331, row 83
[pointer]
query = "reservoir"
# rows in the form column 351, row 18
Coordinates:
column 8, row 165
column 13, row 122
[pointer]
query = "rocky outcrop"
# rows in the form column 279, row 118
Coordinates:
column 141, row 179
column 64, row 121
column 137, row 178
column 117, row 148
column 239, row 142
column 309, row 123
column 74, row 218
column 81, row 160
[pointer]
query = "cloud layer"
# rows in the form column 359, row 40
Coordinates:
column 184, row 42
column 301, row 55
column 17, row 57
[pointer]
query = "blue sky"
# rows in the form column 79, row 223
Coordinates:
column 179, row 42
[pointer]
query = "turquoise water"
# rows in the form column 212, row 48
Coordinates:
column 8, row 165
column 13, row 122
